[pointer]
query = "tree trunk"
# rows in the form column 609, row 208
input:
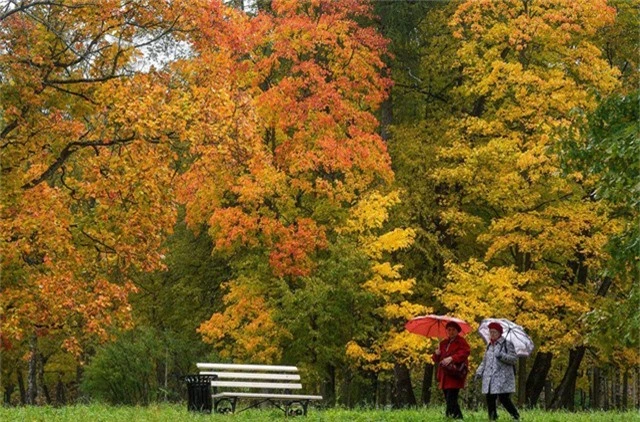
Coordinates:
column 23, row 391
column 618, row 388
column 32, row 380
column 612, row 388
column 564, row 397
column 345, row 388
column 8, row 391
column 537, row 377
column 383, row 392
column 548, row 394
column 625, row 390
column 43, row 391
column 403, row 391
column 79, row 374
column 637, row 388
column 522, row 380
column 596, row 398
column 166, row 372
column 61, row 399
column 427, row 381
column 329, row 386
column 591, row 387
column 377, row 395
column 605, row 390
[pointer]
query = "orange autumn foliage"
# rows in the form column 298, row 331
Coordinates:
column 294, row 130
column 86, row 165
column 296, row 148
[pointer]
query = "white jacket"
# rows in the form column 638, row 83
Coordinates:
column 497, row 368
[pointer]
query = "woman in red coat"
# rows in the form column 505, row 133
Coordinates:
column 453, row 349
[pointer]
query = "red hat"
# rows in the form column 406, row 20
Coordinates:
column 454, row 325
column 495, row 326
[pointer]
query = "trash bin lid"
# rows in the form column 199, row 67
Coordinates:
column 199, row 378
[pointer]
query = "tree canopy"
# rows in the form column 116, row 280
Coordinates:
column 292, row 181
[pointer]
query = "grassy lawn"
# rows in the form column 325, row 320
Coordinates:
column 172, row 413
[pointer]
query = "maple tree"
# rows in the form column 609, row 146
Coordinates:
column 428, row 108
column 86, row 165
column 307, row 80
column 310, row 82
column 526, row 65
column 302, row 146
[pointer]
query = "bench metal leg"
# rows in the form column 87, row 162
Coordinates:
column 296, row 408
column 224, row 405
column 289, row 407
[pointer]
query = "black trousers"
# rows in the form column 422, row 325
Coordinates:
column 506, row 402
column 453, row 408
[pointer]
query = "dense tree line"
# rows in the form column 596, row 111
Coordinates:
column 290, row 182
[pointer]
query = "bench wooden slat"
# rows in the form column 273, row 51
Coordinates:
column 268, row 396
column 255, row 376
column 240, row 384
column 238, row 367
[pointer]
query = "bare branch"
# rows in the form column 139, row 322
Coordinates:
column 67, row 152
column 99, row 242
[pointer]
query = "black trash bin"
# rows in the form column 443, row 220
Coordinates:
column 199, row 392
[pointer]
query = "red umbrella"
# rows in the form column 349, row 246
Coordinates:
column 434, row 325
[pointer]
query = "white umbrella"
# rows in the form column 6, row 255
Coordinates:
column 512, row 332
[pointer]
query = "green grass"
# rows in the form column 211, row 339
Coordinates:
column 173, row 413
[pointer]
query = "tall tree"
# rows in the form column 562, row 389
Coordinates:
column 607, row 155
column 86, row 151
column 422, row 54
column 620, row 42
column 309, row 77
column 384, row 344
column 526, row 65
column 302, row 146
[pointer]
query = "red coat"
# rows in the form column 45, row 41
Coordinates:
column 459, row 350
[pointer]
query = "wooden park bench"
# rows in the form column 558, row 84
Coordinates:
column 261, row 383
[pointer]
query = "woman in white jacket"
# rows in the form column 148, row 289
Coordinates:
column 497, row 371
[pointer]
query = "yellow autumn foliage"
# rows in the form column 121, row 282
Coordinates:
column 245, row 331
column 538, row 238
column 393, row 344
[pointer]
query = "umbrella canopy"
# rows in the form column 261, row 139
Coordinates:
column 434, row 325
column 512, row 332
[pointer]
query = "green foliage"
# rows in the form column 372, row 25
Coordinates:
column 142, row 366
column 124, row 372
column 422, row 54
column 611, row 150
column 422, row 103
column 315, row 312
column 607, row 155
column 615, row 325
column 193, row 275
column 172, row 304
column 620, row 42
